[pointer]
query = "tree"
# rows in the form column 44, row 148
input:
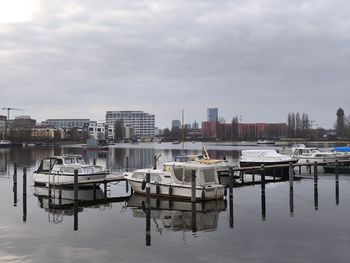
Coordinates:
column 118, row 130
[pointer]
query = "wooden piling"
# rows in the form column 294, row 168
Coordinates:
column 291, row 175
column 24, row 194
column 127, row 163
column 336, row 182
column 194, row 217
column 231, row 196
column 15, row 173
column 263, row 197
column 299, row 169
column 315, row 169
column 155, row 162
column 193, row 186
column 94, row 161
column 76, row 185
column 148, row 190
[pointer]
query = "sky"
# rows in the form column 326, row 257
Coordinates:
column 257, row 60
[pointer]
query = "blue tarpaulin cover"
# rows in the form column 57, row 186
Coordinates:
column 342, row 149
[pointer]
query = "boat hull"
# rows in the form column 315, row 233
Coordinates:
column 53, row 179
column 180, row 191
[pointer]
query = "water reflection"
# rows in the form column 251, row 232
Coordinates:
column 178, row 215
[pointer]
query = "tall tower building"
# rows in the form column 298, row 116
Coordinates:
column 212, row 114
column 340, row 122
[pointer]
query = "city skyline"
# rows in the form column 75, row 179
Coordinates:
column 257, row 60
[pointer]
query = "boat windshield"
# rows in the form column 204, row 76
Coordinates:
column 69, row 160
column 80, row 160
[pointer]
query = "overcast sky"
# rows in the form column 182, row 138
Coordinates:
column 255, row 59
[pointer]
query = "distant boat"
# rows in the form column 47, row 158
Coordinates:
column 176, row 142
column 5, row 144
column 251, row 158
column 265, row 142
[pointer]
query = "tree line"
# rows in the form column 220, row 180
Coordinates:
column 298, row 125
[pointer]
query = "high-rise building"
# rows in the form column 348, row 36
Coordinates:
column 142, row 122
column 340, row 122
column 212, row 114
column 175, row 124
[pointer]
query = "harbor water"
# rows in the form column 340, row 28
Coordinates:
column 309, row 224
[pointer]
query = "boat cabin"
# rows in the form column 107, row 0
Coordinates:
column 55, row 163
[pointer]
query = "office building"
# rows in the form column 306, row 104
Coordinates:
column 212, row 114
column 175, row 124
column 67, row 123
column 142, row 122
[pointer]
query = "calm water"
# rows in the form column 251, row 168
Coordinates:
column 311, row 228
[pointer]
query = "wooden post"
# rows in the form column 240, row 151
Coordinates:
column 291, row 175
column 263, row 197
column 24, row 194
column 231, row 196
column 127, row 163
column 194, row 217
column 309, row 166
column 15, row 184
column 193, row 186
column 155, row 162
column 336, row 182
column 299, row 169
column 76, row 185
column 126, row 186
column 148, row 225
column 253, row 178
column 315, row 169
column 315, row 189
column 242, row 178
column 15, row 173
column 148, row 190
column 94, row 161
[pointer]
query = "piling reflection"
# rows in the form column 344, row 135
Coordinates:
column 291, row 202
column 60, row 202
column 177, row 215
column 316, row 192
column 337, row 189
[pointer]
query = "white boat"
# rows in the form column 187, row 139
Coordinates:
column 174, row 180
column 60, row 169
column 309, row 155
column 222, row 166
column 250, row 158
column 265, row 142
column 5, row 144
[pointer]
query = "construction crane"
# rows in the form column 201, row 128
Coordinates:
column 8, row 116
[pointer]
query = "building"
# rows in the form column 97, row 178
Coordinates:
column 67, row 123
column 142, row 122
column 22, row 122
column 175, row 124
column 43, row 133
column 98, row 130
column 340, row 122
column 212, row 114
column 251, row 131
column 3, row 120
column 195, row 125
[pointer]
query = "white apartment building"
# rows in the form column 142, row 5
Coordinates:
column 142, row 122
column 97, row 130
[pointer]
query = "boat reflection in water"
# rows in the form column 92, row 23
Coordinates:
column 179, row 215
column 60, row 201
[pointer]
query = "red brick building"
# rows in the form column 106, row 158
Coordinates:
column 233, row 131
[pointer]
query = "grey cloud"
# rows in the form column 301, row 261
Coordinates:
column 250, row 58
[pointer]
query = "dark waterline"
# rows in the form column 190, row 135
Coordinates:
column 310, row 224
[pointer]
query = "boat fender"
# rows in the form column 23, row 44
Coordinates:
column 170, row 190
column 203, row 195
column 158, row 189
column 143, row 185
column 158, row 204
column 225, row 192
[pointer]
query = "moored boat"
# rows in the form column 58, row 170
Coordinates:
column 174, row 180
column 60, row 169
column 309, row 155
column 251, row 158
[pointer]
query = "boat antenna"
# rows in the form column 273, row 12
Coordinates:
column 182, row 132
